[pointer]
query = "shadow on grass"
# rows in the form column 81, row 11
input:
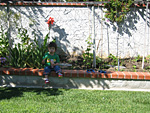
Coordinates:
column 8, row 93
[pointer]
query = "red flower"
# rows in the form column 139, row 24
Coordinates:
column 50, row 21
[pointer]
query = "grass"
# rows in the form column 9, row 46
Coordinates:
column 26, row 100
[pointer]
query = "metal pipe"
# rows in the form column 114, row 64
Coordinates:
column 93, row 37
column 145, row 38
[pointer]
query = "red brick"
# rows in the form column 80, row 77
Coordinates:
column 35, row 72
column 114, row 75
column 20, row 3
column 53, row 74
column 94, row 75
column 107, row 75
column 28, row 71
column 22, row 71
column 40, row 72
column 54, row 3
column 73, row 4
column 121, row 75
column 147, row 77
column 24, row 4
column 64, row 4
column 68, row 3
column 101, row 75
column 141, row 76
column 59, row 4
column 3, row 4
column 81, row 73
column 17, row 71
column 88, row 75
column 44, row 3
column 128, row 76
column 66, row 73
column 39, row 3
column 75, row 73
column 10, row 71
column 79, row 4
column 134, row 76
column 49, row 3
column 3, row 71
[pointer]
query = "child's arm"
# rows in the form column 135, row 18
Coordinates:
column 43, row 61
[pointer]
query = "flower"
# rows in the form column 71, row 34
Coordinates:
column 50, row 21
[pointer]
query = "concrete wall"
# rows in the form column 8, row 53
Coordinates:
column 73, row 25
column 77, row 83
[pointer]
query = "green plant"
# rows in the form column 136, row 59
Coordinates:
column 27, row 53
column 114, row 60
column 138, row 58
column 4, row 43
column 117, row 9
column 134, row 68
column 20, row 53
column 38, row 52
column 87, row 56
column 147, row 59
column 148, row 67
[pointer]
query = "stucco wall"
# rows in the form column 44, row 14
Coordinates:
column 73, row 25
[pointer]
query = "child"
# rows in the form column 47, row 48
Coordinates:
column 51, row 61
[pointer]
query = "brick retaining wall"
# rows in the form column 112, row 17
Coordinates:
column 77, row 73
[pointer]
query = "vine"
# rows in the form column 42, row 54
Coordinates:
column 117, row 9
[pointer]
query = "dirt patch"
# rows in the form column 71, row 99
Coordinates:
column 108, row 64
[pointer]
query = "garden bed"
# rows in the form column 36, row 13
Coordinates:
column 109, row 64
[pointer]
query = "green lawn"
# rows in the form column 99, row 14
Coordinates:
column 25, row 100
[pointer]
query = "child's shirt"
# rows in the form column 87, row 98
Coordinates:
column 51, row 58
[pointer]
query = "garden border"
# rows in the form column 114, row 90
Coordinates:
column 78, row 73
column 78, row 79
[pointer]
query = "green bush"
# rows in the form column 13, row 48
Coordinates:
column 27, row 53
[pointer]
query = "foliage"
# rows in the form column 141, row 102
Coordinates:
column 114, row 60
column 117, row 9
column 4, row 43
column 38, row 52
column 21, row 51
column 26, row 53
column 87, row 56
column 138, row 58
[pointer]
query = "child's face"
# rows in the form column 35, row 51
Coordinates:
column 51, row 50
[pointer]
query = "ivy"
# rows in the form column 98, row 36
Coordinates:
column 117, row 9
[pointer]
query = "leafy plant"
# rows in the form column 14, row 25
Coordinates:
column 113, row 59
column 20, row 53
column 4, row 43
column 117, row 9
column 87, row 56
column 37, row 54
column 134, row 67
column 27, row 53
column 138, row 58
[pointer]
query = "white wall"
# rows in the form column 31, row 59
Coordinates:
column 73, row 25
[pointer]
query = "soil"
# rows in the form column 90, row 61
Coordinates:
column 108, row 64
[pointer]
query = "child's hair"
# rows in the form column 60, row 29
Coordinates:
column 52, row 44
